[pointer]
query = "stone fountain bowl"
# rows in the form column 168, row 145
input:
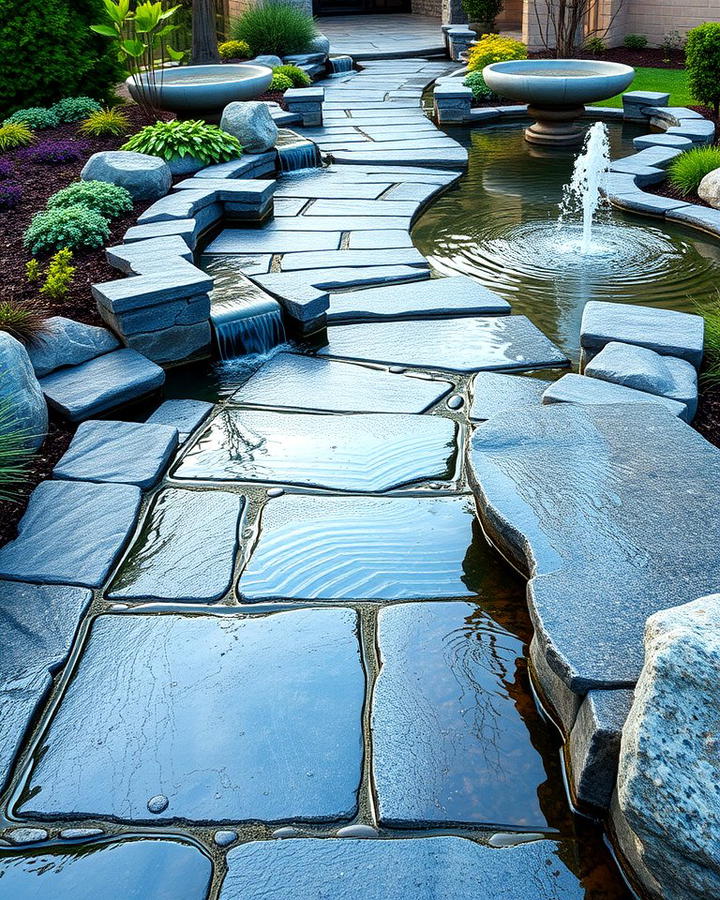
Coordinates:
column 558, row 82
column 197, row 90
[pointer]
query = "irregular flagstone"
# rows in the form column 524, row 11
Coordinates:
column 185, row 415
column 350, row 453
column 305, row 382
column 447, row 737
column 456, row 345
column 270, row 240
column 372, row 240
column 38, row 623
column 340, row 223
column 126, row 452
column 447, row 157
column 433, row 868
column 573, row 388
column 71, row 533
column 372, row 548
column 137, row 870
column 162, row 702
column 351, row 258
column 458, row 295
column 185, row 549
column 493, row 392
column 331, row 187
column 362, row 208
column 600, row 565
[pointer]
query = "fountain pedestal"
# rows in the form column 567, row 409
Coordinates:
column 556, row 127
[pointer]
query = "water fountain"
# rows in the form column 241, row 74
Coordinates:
column 584, row 191
column 556, row 91
column 340, row 65
column 296, row 153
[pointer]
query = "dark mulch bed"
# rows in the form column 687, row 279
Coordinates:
column 274, row 97
column 665, row 189
column 647, row 58
column 707, row 420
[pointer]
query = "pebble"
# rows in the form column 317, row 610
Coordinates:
column 455, row 401
column 158, row 803
column 287, row 832
column 275, row 492
column 358, row 831
column 75, row 833
column 26, row 835
column 225, row 838
column 396, row 370
column 512, row 839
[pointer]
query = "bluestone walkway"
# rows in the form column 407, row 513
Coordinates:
column 387, row 36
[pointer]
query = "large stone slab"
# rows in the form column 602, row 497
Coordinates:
column 131, row 870
column 372, row 548
column 349, row 453
column 68, row 343
column 665, row 331
column 433, row 868
column 437, row 297
column 493, row 392
column 455, row 345
column 185, row 549
column 614, row 516
column 185, row 415
column 342, row 223
column 449, row 743
column 667, row 782
column 38, row 623
column 271, row 240
column 101, row 384
column 305, row 382
column 163, row 703
column 409, row 256
column 573, row 388
column 328, row 186
column 71, row 533
column 125, row 452
column 20, row 392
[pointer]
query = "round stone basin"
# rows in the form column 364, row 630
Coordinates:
column 558, row 82
column 193, row 90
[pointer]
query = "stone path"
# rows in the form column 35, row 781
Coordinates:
column 294, row 637
column 383, row 36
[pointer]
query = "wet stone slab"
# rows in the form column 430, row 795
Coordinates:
column 163, row 702
column 71, row 533
column 456, row 345
column 449, row 745
column 342, row 452
column 433, row 868
column 305, row 382
column 642, row 537
column 494, row 392
column 185, row 550
column 373, row 548
column 37, row 624
column 131, row 870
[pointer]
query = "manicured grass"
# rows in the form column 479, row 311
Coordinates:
column 673, row 80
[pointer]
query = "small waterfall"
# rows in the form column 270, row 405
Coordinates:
column 583, row 193
column 296, row 152
column 340, row 65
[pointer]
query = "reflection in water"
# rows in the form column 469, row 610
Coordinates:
column 499, row 226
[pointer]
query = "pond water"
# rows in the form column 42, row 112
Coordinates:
column 500, row 226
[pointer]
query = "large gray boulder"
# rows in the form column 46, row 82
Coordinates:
column 267, row 59
column 252, row 124
column 670, row 753
column 20, row 390
column 69, row 343
column 319, row 44
column 145, row 177
column 709, row 189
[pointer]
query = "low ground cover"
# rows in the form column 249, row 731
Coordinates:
column 674, row 81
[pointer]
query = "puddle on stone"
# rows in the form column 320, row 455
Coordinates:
column 360, row 452
column 136, row 869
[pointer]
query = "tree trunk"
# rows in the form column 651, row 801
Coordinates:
column 204, row 33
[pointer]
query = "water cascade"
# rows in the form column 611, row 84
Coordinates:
column 340, row 65
column 296, row 153
column 584, row 192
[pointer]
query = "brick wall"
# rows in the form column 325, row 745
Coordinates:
column 427, row 7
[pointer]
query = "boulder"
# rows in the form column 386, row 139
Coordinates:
column 667, row 789
column 267, row 60
column 20, row 389
column 69, row 343
column 252, row 124
column 185, row 165
column 145, row 177
column 319, row 44
column 709, row 189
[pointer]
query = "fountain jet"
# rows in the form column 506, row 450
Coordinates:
column 584, row 191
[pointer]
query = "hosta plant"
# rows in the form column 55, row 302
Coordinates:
column 74, row 227
column 35, row 117
column 72, row 109
column 192, row 137
column 110, row 200
column 105, row 123
column 14, row 135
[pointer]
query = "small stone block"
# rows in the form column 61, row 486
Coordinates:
column 572, row 388
column 185, row 415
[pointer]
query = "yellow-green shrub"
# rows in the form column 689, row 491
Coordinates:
column 492, row 48
column 234, row 50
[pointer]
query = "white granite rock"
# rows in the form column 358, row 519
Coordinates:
column 668, row 787
column 252, row 124
column 709, row 189
column 20, row 390
column 319, row 44
column 146, row 177
column 69, row 343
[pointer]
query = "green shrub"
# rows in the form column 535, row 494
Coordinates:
column 35, row 117
column 595, row 45
column 48, row 52
column 110, row 200
column 73, row 227
column 635, row 41
column 189, row 138
column 280, row 82
column 299, row 77
column 476, row 83
column 105, row 123
column 702, row 58
column 484, row 12
column 72, row 109
column 276, row 28
column 25, row 320
column 687, row 170
column 14, row 135
column 15, row 455
column 492, row 48
column 711, row 314
column 234, row 50
column 59, row 275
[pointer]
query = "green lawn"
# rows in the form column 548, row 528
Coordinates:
column 673, row 80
